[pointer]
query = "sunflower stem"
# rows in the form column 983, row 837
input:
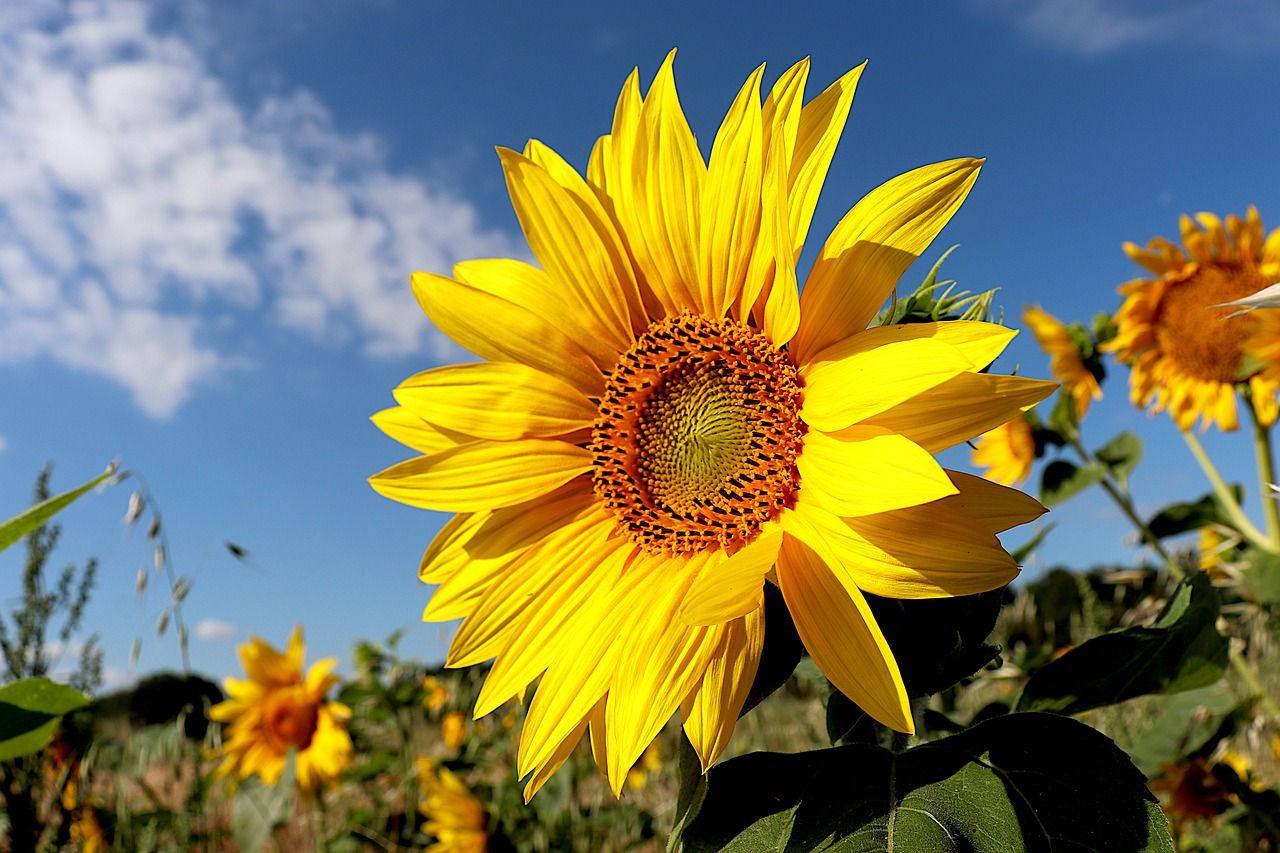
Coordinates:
column 1228, row 500
column 1266, row 476
column 1120, row 496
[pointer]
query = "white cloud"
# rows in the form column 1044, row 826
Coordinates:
column 4, row 444
column 146, row 216
column 216, row 630
column 1096, row 27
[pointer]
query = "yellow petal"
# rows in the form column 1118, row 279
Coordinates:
column 841, row 635
column 731, row 199
column 446, row 555
column 533, row 290
column 872, row 246
column 927, row 551
column 821, row 123
column 979, row 343
column 711, row 710
column 872, row 372
column 734, row 587
column 780, row 115
column 547, row 769
column 868, row 470
column 961, row 408
column 412, row 431
column 499, row 330
column 998, row 508
column 483, row 475
column 496, row 400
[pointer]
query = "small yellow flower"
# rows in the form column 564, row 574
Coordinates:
column 1064, row 359
column 1006, row 452
column 454, row 816
column 276, row 710
column 438, row 694
column 453, row 729
column 1188, row 353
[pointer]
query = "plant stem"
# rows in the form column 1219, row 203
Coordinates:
column 1226, row 498
column 1266, row 475
column 1120, row 495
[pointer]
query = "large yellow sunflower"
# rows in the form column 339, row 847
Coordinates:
column 1064, row 359
column 1186, row 355
column 276, row 710
column 664, row 421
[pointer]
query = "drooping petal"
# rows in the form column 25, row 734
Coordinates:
column 864, row 376
column 500, row 330
column 483, row 474
column 867, row 470
column 412, row 431
column 872, row 246
column 733, row 588
column 496, row 400
column 841, row 635
column 961, row 408
column 711, row 711
column 997, row 507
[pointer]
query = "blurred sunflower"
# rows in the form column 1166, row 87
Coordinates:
column 1064, row 358
column 1187, row 352
column 1006, row 452
column 454, row 816
column 1190, row 791
column 276, row 710
column 437, row 694
column 663, row 419
column 453, row 729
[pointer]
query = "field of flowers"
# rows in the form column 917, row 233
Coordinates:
column 713, row 588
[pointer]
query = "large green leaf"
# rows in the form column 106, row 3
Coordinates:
column 1023, row 782
column 1185, row 724
column 260, row 808
column 1121, row 455
column 1062, row 479
column 22, row 524
column 29, row 710
column 1181, row 650
column 1186, row 516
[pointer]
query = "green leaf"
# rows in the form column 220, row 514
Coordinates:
column 1186, row 724
column 1186, row 516
column 1262, row 575
column 29, row 711
column 1181, row 650
column 1121, row 455
column 260, row 808
column 23, row 523
column 1062, row 479
column 1023, row 782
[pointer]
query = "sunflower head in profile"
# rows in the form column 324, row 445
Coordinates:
column 454, row 817
column 1007, row 452
column 277, row 710
column 1065, row 363
column 1187, row 354
column 663, row 422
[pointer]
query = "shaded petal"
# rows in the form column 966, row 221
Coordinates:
column 496, row 400
column 483, row 474
column 867, row 470
column 872, row 246
column 961, row 408
column 711, row 711
column 500, row 330
column 554, row 761
column 412, row 431
column 864, row 376
column 841, row 635
column 733, row 588
column 998, row 508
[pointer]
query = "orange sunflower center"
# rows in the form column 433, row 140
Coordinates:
column 290, row 718
column 697, row 435
column 1196, row 337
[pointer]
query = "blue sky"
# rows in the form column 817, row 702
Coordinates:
column 209, row 211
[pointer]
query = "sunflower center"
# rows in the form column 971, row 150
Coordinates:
column 1195, row 336
column 289, row 718
column 697, row 435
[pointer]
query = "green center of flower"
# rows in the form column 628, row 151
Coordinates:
column 698, row 433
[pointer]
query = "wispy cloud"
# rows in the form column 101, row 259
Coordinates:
column 216, row 631
column 1097, row 27
column 146, row 216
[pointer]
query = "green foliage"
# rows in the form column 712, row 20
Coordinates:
column 259, row 809
column 1120, row 455
column 1061, row 479
column 1186, row 516
column 37, row 516
column 1181, row 650
column 937, row 300
column 29, row 711
column 1188, row 723
column 1022, row 782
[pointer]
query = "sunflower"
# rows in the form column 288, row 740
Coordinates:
column 1006, row 452
column 1064, row 358
column 664, row 421
column 453, row 729
column 454, row 816
column 1188, row 353
column 276, row 710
